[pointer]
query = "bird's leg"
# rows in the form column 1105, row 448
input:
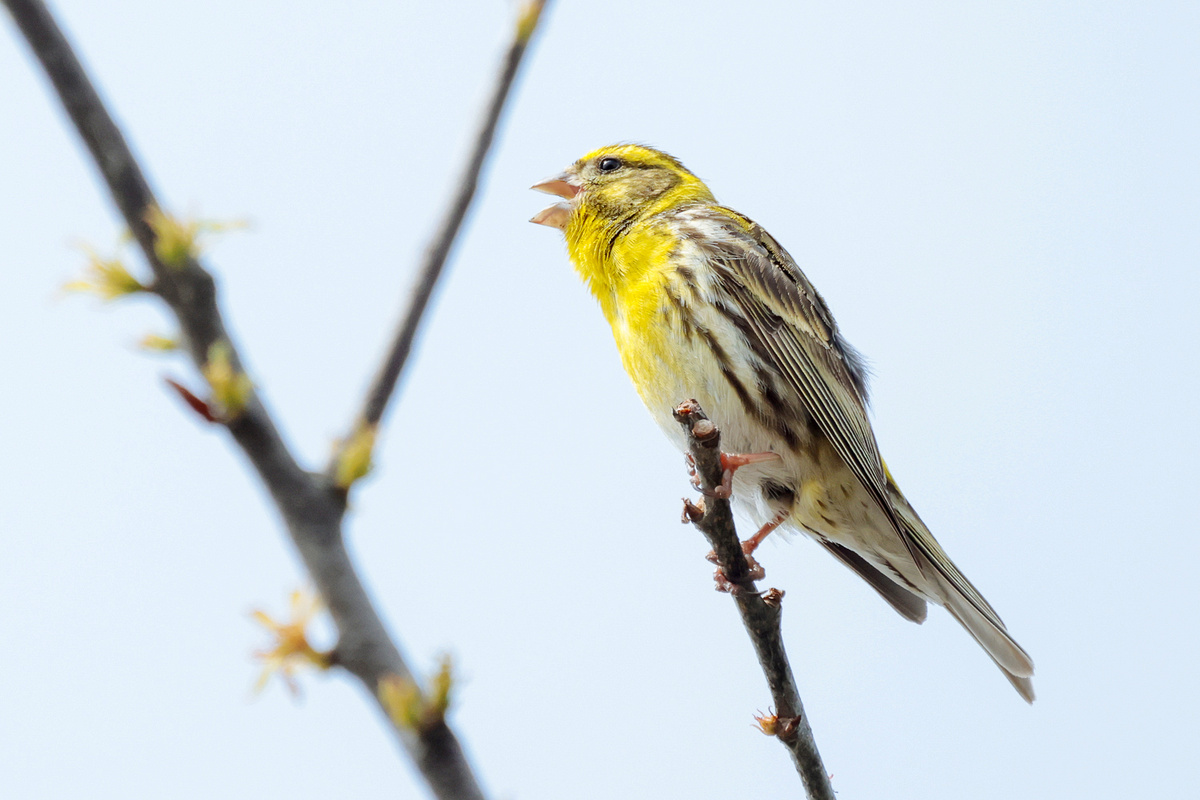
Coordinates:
column 731, row 463
column 751, row 544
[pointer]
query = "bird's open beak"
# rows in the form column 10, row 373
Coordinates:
column 564, row 185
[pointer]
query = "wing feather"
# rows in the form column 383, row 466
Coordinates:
column 909, row 605
column 791, row 321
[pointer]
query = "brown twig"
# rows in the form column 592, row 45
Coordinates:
column 760, row 613
column 380, row 392
column 312, row 508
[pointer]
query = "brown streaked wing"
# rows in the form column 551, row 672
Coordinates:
column 791, row 321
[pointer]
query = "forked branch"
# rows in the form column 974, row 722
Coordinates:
column 312, row 505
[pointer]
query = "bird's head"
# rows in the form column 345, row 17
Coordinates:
column 619, row 184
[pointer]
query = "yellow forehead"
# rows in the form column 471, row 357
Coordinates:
column 635, row 153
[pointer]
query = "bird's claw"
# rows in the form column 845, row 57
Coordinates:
column 755, row 572
column 722, row 492
column 693, row 475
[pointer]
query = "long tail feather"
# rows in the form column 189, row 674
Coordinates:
column 1023, row 685
column 964, row 601
column 988, row 630
column 907, row 604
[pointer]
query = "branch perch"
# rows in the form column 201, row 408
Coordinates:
column 312, row 505
column 760, row 613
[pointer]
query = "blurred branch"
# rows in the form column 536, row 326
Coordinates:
column 760, row 612
column 439, row 248
column 311, row 505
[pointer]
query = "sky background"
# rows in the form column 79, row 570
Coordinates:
column 1000, row 202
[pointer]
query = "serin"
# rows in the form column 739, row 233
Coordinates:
column 705, row 304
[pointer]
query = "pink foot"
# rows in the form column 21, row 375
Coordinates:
column 731, row 463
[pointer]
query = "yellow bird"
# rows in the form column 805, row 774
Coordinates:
column 705, row 304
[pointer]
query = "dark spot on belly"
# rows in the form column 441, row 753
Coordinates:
column 786, row 417
column 682, row 316
column 726, row 367
column 785, row 432
column 778, row 493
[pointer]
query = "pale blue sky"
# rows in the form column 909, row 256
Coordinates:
column 1000, row 203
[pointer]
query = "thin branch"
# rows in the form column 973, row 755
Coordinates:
column 311, row 506
column 760, row 612
column 377, row 396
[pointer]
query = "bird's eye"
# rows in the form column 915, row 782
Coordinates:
column 609, row 164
